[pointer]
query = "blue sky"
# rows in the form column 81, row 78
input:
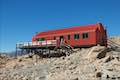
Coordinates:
column 21, row 19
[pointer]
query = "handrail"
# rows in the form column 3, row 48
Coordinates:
column 112, row 43
column 36, row 43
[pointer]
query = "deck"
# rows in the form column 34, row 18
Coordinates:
column 38, row 44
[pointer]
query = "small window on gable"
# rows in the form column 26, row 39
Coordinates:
column 76, row 36
column 68, row 37
column 85, row 35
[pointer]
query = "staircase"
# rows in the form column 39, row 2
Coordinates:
column 113, row 45
column 64, row 47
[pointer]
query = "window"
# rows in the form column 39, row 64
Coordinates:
column 68, row 37
column 54, row 38
column 61, row 37
column 76, row 36
column 40, row 39
column 85, row 35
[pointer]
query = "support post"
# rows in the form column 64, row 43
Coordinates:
column 16, row 51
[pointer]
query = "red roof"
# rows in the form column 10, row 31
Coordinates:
column 71, row 29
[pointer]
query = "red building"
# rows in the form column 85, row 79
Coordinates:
column 76, row 36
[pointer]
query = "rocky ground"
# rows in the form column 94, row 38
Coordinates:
column 115, row 39
column 95, row 63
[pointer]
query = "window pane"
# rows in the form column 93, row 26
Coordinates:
column 76, row 36
column 54, row 38
column 85, row 35
column 68, row 37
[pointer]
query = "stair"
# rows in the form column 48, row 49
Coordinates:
column 113, row 45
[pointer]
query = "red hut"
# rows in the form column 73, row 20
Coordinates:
column 76, row 36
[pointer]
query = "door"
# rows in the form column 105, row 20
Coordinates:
column 61, row 38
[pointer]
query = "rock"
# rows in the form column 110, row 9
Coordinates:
column 98, row 74
column 102, row 54
column 40, row 78
column 72, row 67
column 95, row 63
column 108, row 58
column 74, row 79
